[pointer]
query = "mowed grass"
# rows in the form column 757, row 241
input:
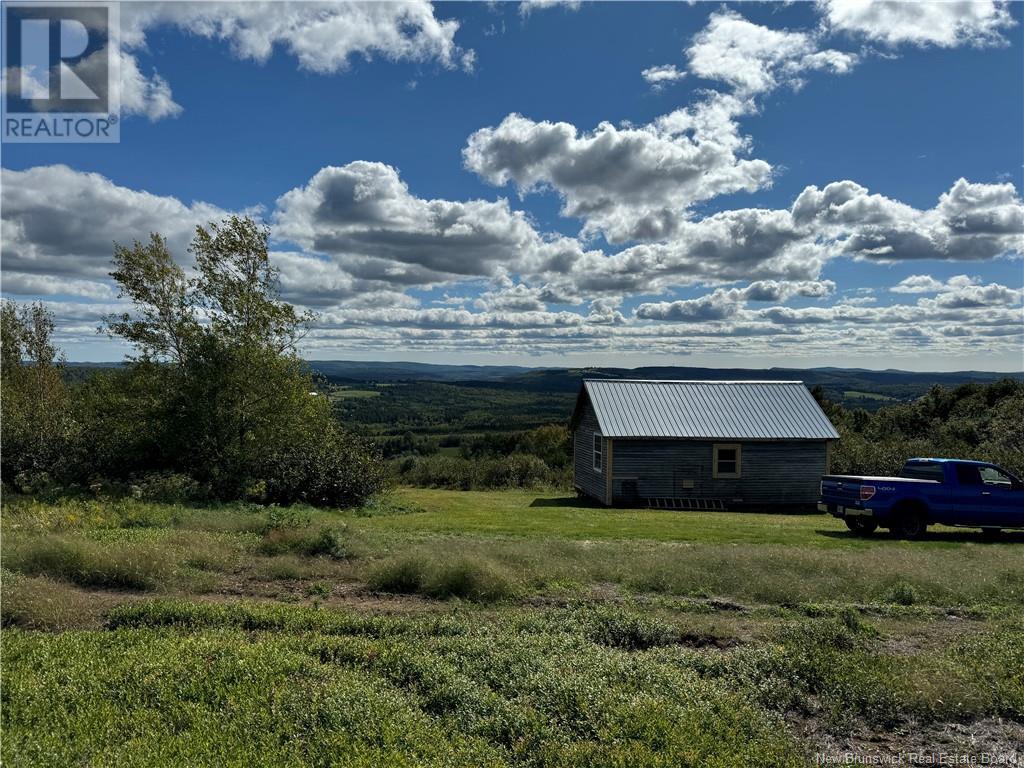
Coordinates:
column 546, row 515
column 526, row 513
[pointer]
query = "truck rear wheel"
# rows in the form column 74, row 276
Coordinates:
column 910, row 523
column 861, row 526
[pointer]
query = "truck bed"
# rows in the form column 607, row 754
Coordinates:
column 874, row 479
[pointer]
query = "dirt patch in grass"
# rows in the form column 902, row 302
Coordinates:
column 957, row 743
column 341, row 594
column 700, row 640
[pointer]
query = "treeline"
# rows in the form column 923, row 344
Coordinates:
column 214, row 403
column 549, row 442
column 426, row 407
column 970, row 421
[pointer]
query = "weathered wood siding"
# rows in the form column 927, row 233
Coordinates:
column 772, row 472
column 585, row 478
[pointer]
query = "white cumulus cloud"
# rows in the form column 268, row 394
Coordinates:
column 323, row 37
column 662, row 75
column 942, row 23
column 754, row 59
column 628, row 183
column 61, row 222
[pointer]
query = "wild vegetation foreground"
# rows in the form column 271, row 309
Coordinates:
column 502, row 628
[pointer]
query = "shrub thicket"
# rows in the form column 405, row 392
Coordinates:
column 215, row 391
column 971, row 421
column 38, row 428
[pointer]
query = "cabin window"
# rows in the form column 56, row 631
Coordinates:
column 598, row 445
column 726, row 460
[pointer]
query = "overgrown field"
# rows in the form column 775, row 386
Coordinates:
column 447, row 628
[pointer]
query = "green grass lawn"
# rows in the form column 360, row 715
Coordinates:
column 525, row 513
column 493, row 628
column 552, row 514
column 533, row 514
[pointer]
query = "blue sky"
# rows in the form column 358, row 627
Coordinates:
column 634, row 243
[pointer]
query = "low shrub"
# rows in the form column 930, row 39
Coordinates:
column 527, row 686
column 310, row 540
column 325, row 469
column 517, row 470
column 342, row 691
column 901, row 593
column 463, row 577
column 997, row 653
column 184, row 614
column 820, row 667
column 168, row 487
column 319, row 589
column 403, row 575
column 279, row 518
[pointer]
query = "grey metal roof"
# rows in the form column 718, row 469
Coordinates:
column 730, row 410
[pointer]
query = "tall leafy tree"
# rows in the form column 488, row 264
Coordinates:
column 163, row 323
column 238, row 403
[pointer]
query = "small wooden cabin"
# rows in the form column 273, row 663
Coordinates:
column 700, row 444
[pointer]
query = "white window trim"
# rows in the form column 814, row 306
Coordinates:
column 714, row 461
column 598, row 462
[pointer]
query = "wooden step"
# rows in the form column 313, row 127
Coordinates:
column 694, row 504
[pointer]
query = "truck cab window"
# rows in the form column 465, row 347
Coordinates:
column 922, row 470
column 992, row 476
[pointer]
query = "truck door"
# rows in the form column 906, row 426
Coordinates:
column 1004, row 504
column 968, row 499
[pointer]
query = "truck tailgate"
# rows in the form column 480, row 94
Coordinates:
column 840, row 490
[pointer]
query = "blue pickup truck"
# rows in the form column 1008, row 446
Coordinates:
column 972, row 494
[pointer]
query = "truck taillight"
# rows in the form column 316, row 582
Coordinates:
column 866, row 492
